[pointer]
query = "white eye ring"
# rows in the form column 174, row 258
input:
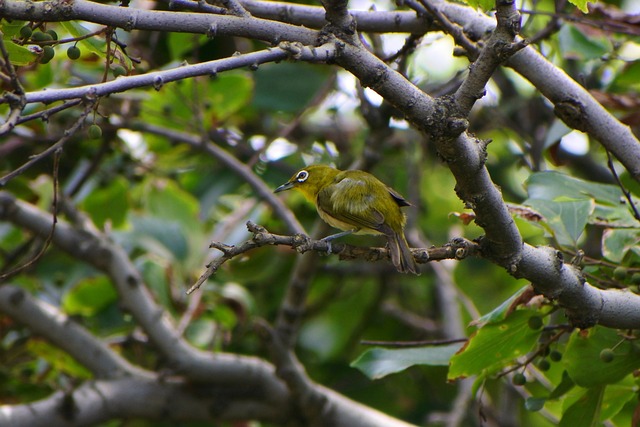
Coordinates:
column 302, row 176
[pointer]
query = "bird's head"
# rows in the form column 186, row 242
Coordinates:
column 310, row 180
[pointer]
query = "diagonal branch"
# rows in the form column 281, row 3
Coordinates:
column 465, row 157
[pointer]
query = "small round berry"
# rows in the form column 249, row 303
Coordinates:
column 47, row 54
column 94, row 131
column 73, row 52
column 620, row 273
column 555, row 356
column 544, row 365
column 39, row 36
column 53, row 34
column 519, row 379
column 535, row 322
column 25, row 32
column 606, row 355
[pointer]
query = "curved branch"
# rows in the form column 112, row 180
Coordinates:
column 573, row 103
column 47, row 321
column 169, row 399
column 465, row 157
column 585, row 305
column 250, row 374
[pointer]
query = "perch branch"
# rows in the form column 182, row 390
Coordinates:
column 457, row 249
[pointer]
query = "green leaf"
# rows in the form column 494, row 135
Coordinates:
column 19, row 55
column 89, row 297
column 566, row 384
column 615, row 397
column 484, row 5
column 553, row 185
column 580, row 4
column 616, row 243
column 288, row 87
column 379, row 362
column 58, row 359
column 228, row 94
column 181, row 43
column 11, row 28
column 566, row 219
column 582, row 361
column 108, row 203
column 628, row 78
column 167, row 200
column 495, row 346
column 162, row 237
column 201, row 332
column 500, row 312
column 575, row 44
column 221, row 98
column 585, row 412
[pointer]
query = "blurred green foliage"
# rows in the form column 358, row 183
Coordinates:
column 163, row 201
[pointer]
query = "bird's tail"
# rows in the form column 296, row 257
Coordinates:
column 401, row 255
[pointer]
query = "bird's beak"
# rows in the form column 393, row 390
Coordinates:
column 284, row 187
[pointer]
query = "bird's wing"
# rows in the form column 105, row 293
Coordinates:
column 397, row 197
column 351, row 201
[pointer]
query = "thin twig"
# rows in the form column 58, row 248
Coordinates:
column 52, row 149
column 54, row 207
column 45, row 114
column 456, row 249
column 16, row 99
column 626, row 192
column 422, row 343
column 453, row 30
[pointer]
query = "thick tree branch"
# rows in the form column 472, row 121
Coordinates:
column 168, row 399
column 47, row 321
column 130, row 18
column 465, row 157
column 573, row 103
column 255, row 376
column 585, row 305
column 367, row 21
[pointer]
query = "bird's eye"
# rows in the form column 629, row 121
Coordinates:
column 302, row 176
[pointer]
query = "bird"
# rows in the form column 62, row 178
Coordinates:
column 356, row 202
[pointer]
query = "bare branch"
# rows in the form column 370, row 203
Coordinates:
column 500, row 46
column 130, row 18
column 160, row 78
column 47, row 321
column 57, row 146
column 457, row 249
column 167, row 399
column 16, row 99
column 573, row 103
column 314, row 17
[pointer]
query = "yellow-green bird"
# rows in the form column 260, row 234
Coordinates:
column 357, row 202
